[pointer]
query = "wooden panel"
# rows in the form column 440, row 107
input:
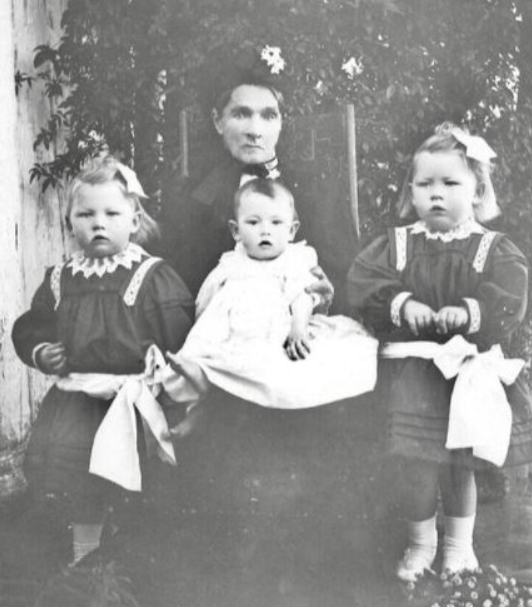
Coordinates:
column 31, row 230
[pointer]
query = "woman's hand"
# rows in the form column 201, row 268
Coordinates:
column 451, row 318
column 51, row 359
column 418, row 316
column 323, row 288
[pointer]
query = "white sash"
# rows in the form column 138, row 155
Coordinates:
column 480, row 416
column 114, row 454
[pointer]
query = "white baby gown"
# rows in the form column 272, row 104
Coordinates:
column 242, row 322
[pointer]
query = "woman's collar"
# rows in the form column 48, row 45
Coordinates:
column 228, row 175
column 98, row 266
column 272, row 167
column 460, row 232
column 264, row 170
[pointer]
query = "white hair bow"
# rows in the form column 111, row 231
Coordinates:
column 476, row 148
column 131, row 180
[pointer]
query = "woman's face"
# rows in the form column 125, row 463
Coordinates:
column 250, row 124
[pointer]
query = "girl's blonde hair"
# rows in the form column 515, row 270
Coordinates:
column 107, row 170
column 450, row 138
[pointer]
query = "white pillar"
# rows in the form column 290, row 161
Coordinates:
column 14, row 405
column 31, row 231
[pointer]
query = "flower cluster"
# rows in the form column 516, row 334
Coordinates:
column 352, row 67
column 486, row 587
column 272, row 56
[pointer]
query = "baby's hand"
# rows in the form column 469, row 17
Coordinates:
column 450, row 319
column 297, row 344
column 418, row 316
column 51, row 359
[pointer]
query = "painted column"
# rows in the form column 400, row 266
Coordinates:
column 14, row 404
column 31, row 229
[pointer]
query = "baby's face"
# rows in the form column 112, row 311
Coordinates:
column 264, row 225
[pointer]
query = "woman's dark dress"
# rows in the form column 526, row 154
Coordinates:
column 196, row 233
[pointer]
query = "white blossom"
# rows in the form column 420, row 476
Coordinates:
column 352, row 67
column 320, row 87
column 272, row 56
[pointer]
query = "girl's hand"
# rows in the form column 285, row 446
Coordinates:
column 418, row 316
column 323, row 288
column 451, row 318
column 194, row 417
column 191, row 371
column 51, row 359
column 297, row 345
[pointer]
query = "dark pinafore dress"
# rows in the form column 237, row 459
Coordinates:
column 472, row 266
column 106, row 320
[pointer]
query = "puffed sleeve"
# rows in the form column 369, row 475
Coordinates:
column 168, row 308
column 300, row 260
column 374, row 284
column 502, row 296
column 38, row 325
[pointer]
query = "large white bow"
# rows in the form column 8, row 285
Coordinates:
column 114, row 454
column 133, row 185
column 475, row 146
column 480, row 416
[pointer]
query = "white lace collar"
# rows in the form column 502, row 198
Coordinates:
column 238, row 260
column 89, row 266
column 464, row 230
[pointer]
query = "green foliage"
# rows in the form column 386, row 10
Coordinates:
column 125, row 68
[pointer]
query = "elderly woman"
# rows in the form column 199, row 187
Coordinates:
column 247, row 106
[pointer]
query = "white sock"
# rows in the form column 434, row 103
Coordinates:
column 458, row 538
column 423, row 534
column 86, row 539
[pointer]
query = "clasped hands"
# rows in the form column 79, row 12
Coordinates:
column 419, row 317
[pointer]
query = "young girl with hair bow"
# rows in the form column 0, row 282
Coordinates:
column 444, row 293
column 98, row 322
